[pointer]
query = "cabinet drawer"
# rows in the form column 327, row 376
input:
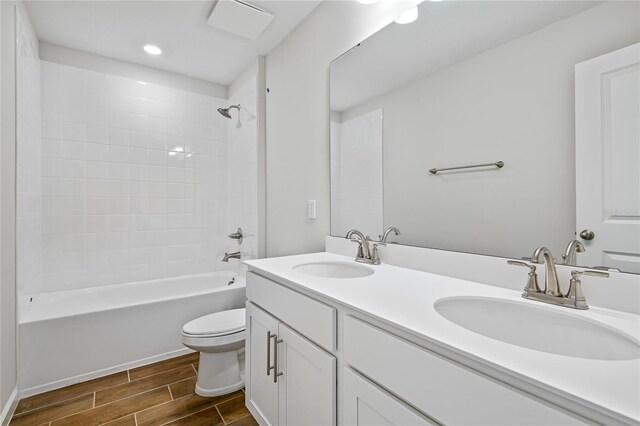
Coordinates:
column 366, row 404
column 447, row 392
column 311, row 318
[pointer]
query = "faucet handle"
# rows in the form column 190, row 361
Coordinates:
column 575, row 295
column 532, row 268
column 532, row 283
column 600, row 274
column 375, row 256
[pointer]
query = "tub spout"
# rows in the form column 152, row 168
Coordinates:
column 227, row 256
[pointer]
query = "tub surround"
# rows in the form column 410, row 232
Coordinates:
column 402, row 300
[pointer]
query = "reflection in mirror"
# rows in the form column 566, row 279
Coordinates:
column 478, row 82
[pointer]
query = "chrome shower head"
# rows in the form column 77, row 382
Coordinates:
column 225, row 111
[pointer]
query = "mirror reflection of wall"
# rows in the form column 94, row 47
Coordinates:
column 356, row 173
column 483, row 82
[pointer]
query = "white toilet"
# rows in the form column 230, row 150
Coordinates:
column 220, row 339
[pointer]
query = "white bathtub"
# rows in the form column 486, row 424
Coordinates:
column 72, row 336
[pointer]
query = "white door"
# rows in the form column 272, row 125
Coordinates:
column 608, row 159
column 307, row 386
column 365, row 404
column 261, row 389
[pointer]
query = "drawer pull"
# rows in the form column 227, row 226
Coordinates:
column 269, row 366
column 275, row 361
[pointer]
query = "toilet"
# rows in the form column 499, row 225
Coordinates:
column 219, row 338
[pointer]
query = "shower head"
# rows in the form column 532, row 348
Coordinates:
column 225, row 111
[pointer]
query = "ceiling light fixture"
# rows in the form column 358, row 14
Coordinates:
column 367, row 1
column 408, row 17
column 152, row 50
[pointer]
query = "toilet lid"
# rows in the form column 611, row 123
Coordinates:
column 217, row 324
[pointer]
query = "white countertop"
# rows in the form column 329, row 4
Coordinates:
column 405, row 298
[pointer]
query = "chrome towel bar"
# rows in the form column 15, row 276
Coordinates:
column 498, row 164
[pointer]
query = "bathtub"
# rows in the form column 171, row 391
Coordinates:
column 76, row 335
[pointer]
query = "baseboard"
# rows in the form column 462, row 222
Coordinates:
column 9, row 408
column 99, row 373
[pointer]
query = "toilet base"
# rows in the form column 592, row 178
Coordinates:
column 219, row 391
column 220, row 373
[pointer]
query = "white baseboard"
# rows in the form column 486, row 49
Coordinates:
column 9, row 408
column 99, row 373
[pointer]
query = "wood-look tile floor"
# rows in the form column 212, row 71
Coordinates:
column 151, row 395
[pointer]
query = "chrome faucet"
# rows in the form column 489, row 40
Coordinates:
column 227, row 256
column 573, row 248
column 385, row 235
column 551, row 293
column 365, row 254
column 551, row 284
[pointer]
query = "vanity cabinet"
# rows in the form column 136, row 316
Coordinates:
column 289, row 379
column 386, row 379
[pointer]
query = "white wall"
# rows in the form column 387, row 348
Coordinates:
column 298, row 118
column 29, row 174
column 8, row 336
column 356, row 175
column 514, row 103
column 134, row 180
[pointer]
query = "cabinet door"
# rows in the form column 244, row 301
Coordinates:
column 261, row 390
column 365, row 404
column 307, row 386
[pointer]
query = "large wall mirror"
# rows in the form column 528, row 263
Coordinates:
column 548, row 89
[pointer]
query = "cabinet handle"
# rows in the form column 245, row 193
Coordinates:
column 269, row 366
column 275, row 360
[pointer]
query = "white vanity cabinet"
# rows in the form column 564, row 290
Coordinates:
column 289, row 379
column 386, row 377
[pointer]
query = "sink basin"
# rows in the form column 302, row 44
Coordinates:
column 334, row 270
column 545, row 329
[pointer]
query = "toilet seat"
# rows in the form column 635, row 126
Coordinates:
column 219, row 324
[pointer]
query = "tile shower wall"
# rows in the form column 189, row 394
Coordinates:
column 356, row 175
column 134, row 180
column 28, row 173
column 242, row 132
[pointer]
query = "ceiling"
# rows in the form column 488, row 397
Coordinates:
column 119, row 29
column 445, row 33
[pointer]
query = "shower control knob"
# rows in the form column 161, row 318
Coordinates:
column 587, row 234
column 237, row 235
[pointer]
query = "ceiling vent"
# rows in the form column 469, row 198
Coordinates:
column 239, row 18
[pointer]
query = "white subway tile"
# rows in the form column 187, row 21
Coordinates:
column 97, row 134
column 97, row 116
column 72, row 131
column 97, row 152
column 97, row 98
column 96, row 80
column 118, row 136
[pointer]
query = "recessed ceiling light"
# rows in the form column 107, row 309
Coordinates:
column 152, row 50
column 367, row 1
column 408, row 17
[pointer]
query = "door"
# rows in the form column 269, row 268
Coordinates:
column 608, row 159
column 367, row 404
column 261, row 389
column 308, row 381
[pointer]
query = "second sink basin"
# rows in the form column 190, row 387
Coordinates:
column 541, row 329
column 334, row 270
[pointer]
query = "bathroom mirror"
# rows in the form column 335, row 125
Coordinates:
column 496, row 84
